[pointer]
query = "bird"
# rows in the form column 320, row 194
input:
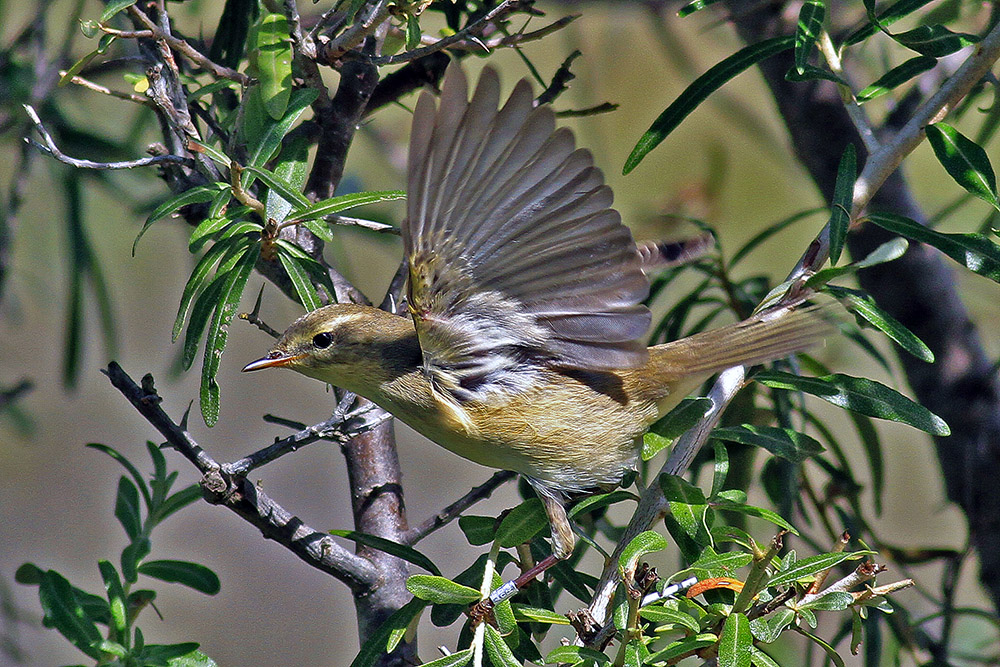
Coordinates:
column 523, row 346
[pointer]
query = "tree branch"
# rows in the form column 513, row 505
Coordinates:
column 452, row 511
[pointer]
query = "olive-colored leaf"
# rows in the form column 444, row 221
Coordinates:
column 807, row 568
column 684, row 646
column 883, row 18
column 263, row 142
column 522, row 523
column 113, row 7
column 807, row 31
column 498, row 651
column 735, row 642
column 644, row 543
column 965, row 161
column 375, row 646
column 840, row 207
column 303, row 287
column 192, row 575
column 438, row 590
column 279, row 185
column 700, row 89
column 864, row 306
column 934, row 40
column 681, row 418
column 116, row 596
column 127, row 509
column 693, row 7
column 784, row 442
column 751, row 510
column 895, row 77
column 273, row 63
column 339, row 203
column 64, row 612
column 861, row 395
column 196, row 195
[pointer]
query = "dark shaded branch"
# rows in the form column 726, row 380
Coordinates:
column 452, row 511
column 407, row 79
column 314, row 547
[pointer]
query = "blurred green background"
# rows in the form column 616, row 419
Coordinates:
column 56, row 496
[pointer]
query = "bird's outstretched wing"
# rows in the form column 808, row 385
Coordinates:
column 516, row 256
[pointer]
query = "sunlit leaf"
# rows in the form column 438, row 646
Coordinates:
column 840, row 207
column 807, row 31
column 965, row 160
column 895, row 77
column 402, row 551
column 439, row 590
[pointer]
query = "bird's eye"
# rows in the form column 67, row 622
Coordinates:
column 323, row 340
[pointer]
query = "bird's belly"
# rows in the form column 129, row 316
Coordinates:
column 564, row 443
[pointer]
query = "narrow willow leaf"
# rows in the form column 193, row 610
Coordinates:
column 574, row 655
column 218, row 331
column 116, row 596
column 761, row 659
column 813, row 73
column 127, row 509
column 644, row 543
column 407, row 553
column 262, row 145
column 864, row 306
column 861, row 395
column 292, row 169
column 735, row 642
column 713, row 564
column 524, row 612
column 200, row 314
column 320, row 276
column 454, row 660
column 413, row 33
column 521, row 524
column 113, row 8
column 751, row 510
column 137, row 476
column 693, row 7
column 274, row 64
column 224, row 253
column 213, row 153
column 807, row 568
column 304, row 288
column 498, row 651
column 205, row 229
column 192, row 575
column 688, row 507
column 279, row 185
column 895, row 77
column 177, row 502
column 720, row 469
column 685, row 646
column 784, row 442
column 884, row 18
column 974, row 251
column 965, row 161
column 438, row 590
column 77, row 67
column 840, row 207
column 700, row 89
column 600, row 501
column 197, row 195
column 832, row 601
column 768, row 628
column 664, row 616
column 830, row 651
column 340, row 203
column 807, row 31
column 934, row 40
column 681, row 418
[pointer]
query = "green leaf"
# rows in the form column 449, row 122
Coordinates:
column 574, row 655
column 735, row 642
column 274, row 64
column 784, row 442
column 670, row 426
column 127, row 509
column 664, row 616
column 63, row 611
column 524, row 613
column 29, row 574
column 682, row 647
column 692, row 7
column 413, row 33
column 884, row 18
column 177, row 502
column 861, row 395
column 340, row 203
column 212, row 152
column 965, row 161
column 688, row 507
column 262, row 144
column 113, row 7
column 807, row 31
column 192, row 575
column 375, row 646
column 751, row 510
column 226, row 252
column 974, row 251
column 304, row 288
column 700, row 89
column 646, row 542
column 292, row 169
column 478, row 530
column 761, row 659
column 438, row 590
column 895, row 77
column 864, row 306
column 498, row 651
column 197, row 195
column 843, row 197
column 601, row 500
column 407, row 553
column 832, row 601
column 116, row 597
column 720, row 470
column 813, row 73
column 807, row 568
column 77, row 67
column 140, row 482
column 934, row 40
column 522, row 523
column 768, row 629
column 454, row 660
column 830, row 651
column 319, row 275
column 279, row 185
column 131, row 556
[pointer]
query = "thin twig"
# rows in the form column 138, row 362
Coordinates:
column 499, row 11
column 237, row 493
column 377, row 13
column 50, row 147
column 452, row 511
column 182, row 47
column 104, row 90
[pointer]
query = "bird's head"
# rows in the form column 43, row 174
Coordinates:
column 346, row 345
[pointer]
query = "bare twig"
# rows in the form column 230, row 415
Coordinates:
column 237, row 493
column 560, row 80
column 373, row 16
column 494, row 14
column 50, row 147
column 104, row 90
column 452, row 511
column 182, row 47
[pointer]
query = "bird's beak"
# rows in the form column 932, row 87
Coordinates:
column 272, row 360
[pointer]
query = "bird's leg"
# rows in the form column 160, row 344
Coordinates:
column 563, row 542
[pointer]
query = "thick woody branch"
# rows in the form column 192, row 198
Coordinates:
column 314, row 547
